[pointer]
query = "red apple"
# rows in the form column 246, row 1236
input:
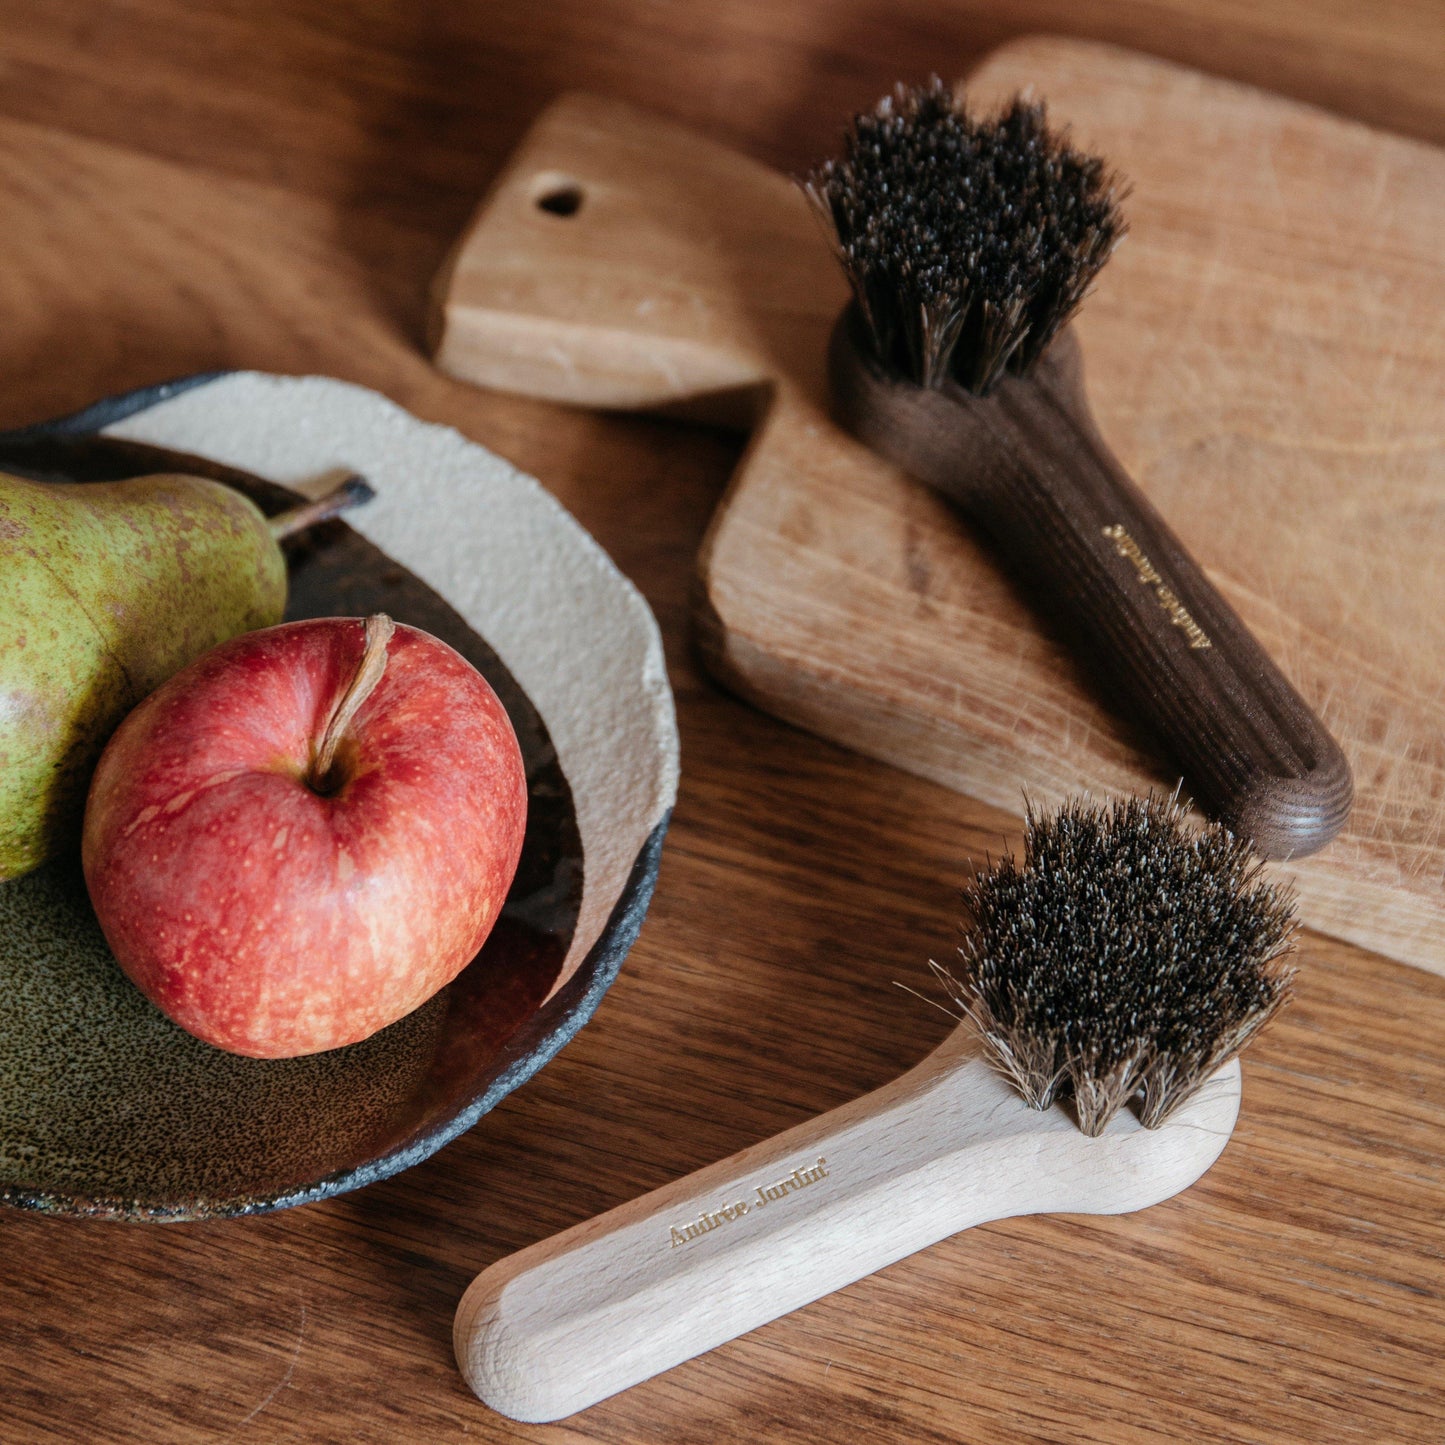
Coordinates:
column 275, row 898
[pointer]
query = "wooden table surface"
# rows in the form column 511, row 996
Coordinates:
column 189, row 186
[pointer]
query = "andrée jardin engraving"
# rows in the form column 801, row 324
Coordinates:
column 1127, row 547
column 711, row 1219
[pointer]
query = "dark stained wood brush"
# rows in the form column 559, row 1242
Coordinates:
column 968, row 243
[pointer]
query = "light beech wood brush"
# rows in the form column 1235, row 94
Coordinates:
column 969, row 242
column 1125, row 960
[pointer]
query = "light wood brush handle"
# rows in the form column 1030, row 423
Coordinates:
column 1028, row 466
column 619, row 1298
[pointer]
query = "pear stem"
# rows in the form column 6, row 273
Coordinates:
column 379, row 630
column 351, row 492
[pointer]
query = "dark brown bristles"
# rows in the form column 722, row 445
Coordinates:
column 1127, row 956
column 968, row 242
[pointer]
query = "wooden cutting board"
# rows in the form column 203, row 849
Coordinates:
column 1265, row 354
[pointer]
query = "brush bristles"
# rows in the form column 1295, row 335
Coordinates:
column 1126, row 956
column 968, row 242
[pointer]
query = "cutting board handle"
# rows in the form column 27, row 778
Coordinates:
column 622, row 261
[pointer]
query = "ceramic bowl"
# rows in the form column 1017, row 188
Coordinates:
column 109, row 1110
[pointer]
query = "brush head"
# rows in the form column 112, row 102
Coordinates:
column 968, row 241
column 1127, row 955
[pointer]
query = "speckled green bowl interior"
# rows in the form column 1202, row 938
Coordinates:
column 102, row 1097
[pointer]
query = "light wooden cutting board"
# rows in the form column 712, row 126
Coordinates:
column 1265, row 353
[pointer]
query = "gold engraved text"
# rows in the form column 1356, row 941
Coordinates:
column 1128, row 548
column 763, row 1194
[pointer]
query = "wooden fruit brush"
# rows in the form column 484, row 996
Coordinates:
column 1124, row 958
column 969, row 242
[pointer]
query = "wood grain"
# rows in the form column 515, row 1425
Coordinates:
column 1293, row 446
column 274, row 185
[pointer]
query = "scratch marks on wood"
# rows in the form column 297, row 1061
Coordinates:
column 285, row 1379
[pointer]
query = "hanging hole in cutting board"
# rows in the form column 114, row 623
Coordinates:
column 558, row 195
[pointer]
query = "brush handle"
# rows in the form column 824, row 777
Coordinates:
column 622, row 1297
column 1027, row 464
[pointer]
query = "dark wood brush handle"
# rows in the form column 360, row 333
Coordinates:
column 1028, row 466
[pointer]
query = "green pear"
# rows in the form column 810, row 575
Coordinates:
column 108, row 588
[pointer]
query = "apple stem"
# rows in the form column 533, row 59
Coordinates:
column 352, row 491
column 379, row 630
